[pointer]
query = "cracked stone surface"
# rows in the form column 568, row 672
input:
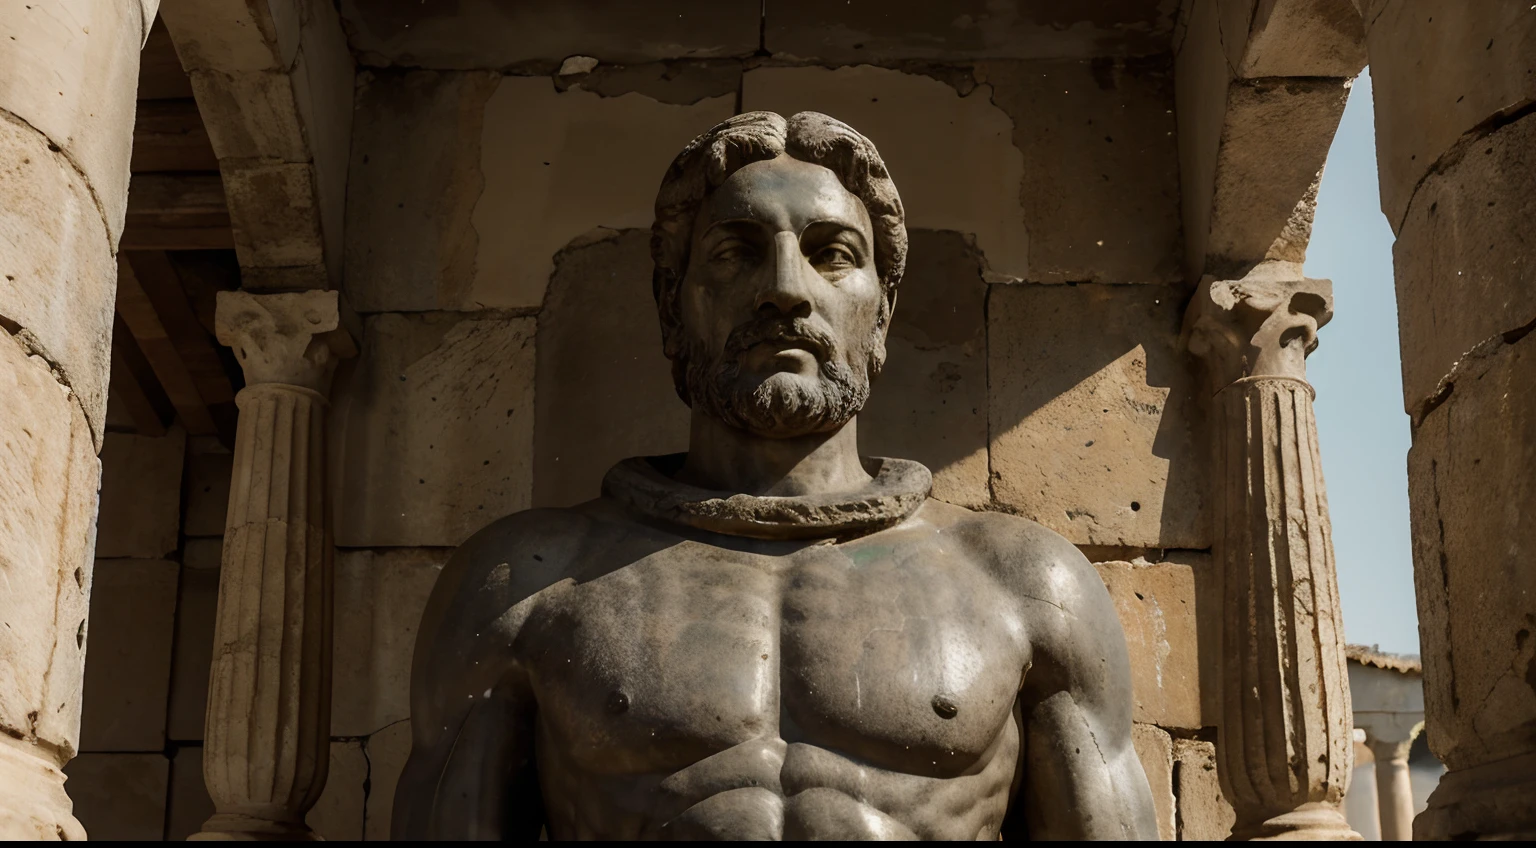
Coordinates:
column 1156, row 604
column 433, row 433
column 379, row 598
column 59, row 274
column 1094, row 414
column 1471, row 559
column 48, row 469
column 1463, row 257
column 489, row 197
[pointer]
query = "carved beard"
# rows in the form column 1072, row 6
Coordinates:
column 782, row 405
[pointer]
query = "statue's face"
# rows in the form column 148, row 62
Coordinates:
column 781, row 301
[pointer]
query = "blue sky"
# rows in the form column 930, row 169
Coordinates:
column 1362, row 429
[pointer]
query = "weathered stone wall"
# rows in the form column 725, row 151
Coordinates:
column 497, row 249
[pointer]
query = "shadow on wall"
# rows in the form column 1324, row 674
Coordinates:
column 1087, row 421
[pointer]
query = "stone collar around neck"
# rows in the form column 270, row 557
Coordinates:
column 645, row 484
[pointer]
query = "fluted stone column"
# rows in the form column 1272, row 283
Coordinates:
column 68, row 76
column 1454, row 84
column 267, row 741
column 1284, row 748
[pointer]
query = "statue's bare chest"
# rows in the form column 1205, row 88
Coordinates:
column 905, row 656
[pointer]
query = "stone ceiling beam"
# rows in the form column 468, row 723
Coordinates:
column 1260, row 86
column 274, row 81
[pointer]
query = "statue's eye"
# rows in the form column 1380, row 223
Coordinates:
column 733, row 250
column 835, row 256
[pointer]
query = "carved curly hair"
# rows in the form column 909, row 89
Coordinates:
column 713, row 157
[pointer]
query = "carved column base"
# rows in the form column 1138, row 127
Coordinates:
column 237, row 827
column 33, row 804
column 1491, row 801
column 1308, row 823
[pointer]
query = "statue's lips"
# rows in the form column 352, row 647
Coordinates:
column 789, row 344
column 785, row 352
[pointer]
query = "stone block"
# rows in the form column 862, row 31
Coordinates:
column 192, row 655
column 1464, row 257
column 1093, row 414
column 1309, row 38
column 1203, row 813
column 1100, row 188
column 510, row 174
column 1438, row 72
column 973, row 188
column 273, row 213
column 1471, row 482
column 491, row 34
column 415, row 181
column 120, row 797
column 930, row 402
column 207, row 489
column 60, row 276
column 338, row 814
column 1275, row 137
column 250, row 115
column 434, row 433
column 70, row 69
column 379, row 600
column 598, row 403
column 189, row 805
column 849, row 33
column 1156, row 604
column 1155, row 750
column 227, row 35
column 140, row 494
column 128, row 665
column 49, row 474
column 387, row 752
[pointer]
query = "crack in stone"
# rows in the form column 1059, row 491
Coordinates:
column 1480, row 352
column 64, row 153
column 1458, row 149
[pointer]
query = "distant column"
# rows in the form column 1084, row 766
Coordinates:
column 267, row 741
column 1285, row 744
column 1394, row 789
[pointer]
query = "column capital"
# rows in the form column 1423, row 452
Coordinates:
column 1389, row 750
column 1259, row 326
column 1389, row 728
column 292, row 338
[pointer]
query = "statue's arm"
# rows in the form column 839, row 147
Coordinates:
column 471, row 773
column 1082, row 778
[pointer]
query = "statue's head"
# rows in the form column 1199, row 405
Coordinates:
column 778, row 247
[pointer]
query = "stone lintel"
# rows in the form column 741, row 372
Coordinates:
column 274, row 83
column 1263, row 325
column 292, row 338
column 1260, row 86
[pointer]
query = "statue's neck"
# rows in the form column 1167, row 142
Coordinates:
column 727, row 459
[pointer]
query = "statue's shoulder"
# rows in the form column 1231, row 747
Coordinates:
column 496, row 578
column 1024, row 556
column 522, row 553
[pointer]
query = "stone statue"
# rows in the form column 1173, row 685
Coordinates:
column 769, row 636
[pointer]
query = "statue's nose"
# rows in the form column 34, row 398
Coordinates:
column 787, row 291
